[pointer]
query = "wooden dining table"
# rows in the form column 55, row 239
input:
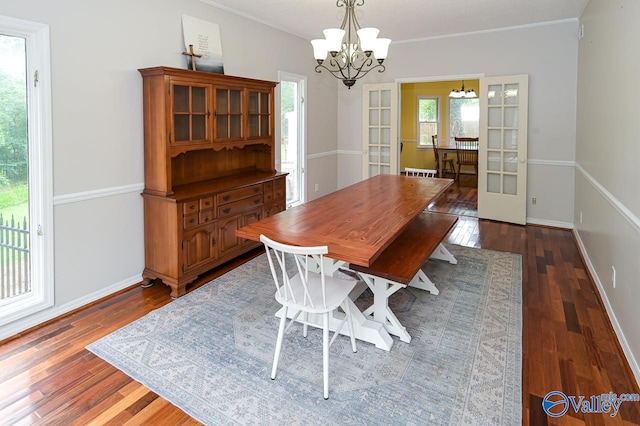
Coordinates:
column 356, row 223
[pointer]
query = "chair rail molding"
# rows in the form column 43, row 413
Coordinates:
column 621, row 208
column 97, row 193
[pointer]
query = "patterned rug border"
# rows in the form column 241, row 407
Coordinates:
column 475, row 397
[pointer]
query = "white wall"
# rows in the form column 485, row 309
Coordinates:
column 96, row 49
column 548, row 53
column 607, row 151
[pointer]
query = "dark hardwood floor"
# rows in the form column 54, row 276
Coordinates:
column 568, row 344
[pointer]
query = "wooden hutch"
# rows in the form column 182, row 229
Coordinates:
column 209, row 169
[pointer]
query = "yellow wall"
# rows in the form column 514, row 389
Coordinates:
column 423, row 158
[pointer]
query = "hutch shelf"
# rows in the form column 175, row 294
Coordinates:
column 209, row 169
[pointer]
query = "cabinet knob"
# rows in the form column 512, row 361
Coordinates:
column 192, row 207
column 213, row 241
column 226, row 197
column 256, row 189
column 256, row 201
column 192, row 221
column 227, row 210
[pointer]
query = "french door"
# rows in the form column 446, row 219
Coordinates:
column 502, row 154
column 380, row 129
column 26, row 228
column 292, row 135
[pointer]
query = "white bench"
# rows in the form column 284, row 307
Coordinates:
column 400, row 265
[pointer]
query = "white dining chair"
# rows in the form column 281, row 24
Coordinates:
column 307, row 292
column 411, row 171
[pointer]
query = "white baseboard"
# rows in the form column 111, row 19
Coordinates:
column 48, row 314
column 633, row 363
column 552, row 223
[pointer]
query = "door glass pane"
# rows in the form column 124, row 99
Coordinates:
column 510, row 162
column 374, row 99
column 493, row 161
column 373, row 170
column 385, row 170
column 510, row 185
column 180, row 98
column 511, row 94
column 15, row 270
column 374, row 136
column 510, row 139
column 291, row 134
column 493, row 183
column 385, row 117
column 385, row 155
column 386, row 98
column 199, row 101
column 374, row 119
column 495, row 94
column 385, row 136
column 511, row 117
column 494, row 141
column 495, row 117
column 373, row 155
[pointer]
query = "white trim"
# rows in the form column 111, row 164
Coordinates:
column 251, row 17
column 615, row 203
column 323, row 154
column 492, row 30
column 438, row 78
column 97, row 193
column 49, row 314
column 346, row 152
column 559, row 163
column 551, row 223
column 633, row 363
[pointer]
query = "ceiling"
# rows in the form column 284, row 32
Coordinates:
column 403, row 20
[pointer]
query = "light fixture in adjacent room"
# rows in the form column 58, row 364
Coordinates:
column 462, row 94
column 354, row 57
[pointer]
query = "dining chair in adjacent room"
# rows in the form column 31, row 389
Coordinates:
column 412, row 171
column 300, row 290
column 447, row 163
column 467, row 152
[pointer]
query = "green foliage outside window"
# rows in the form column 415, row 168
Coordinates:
column 13, row 112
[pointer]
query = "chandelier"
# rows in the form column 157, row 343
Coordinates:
column 354, row 57
column 462, row 94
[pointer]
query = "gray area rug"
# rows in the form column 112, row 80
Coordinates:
column 210, row 353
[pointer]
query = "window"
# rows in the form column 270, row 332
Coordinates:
column 464, row 117
column 428, row 120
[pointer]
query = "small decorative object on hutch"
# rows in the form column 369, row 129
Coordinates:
column 209, row 169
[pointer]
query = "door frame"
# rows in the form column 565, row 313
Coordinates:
column 302, row 130
column 40, row 142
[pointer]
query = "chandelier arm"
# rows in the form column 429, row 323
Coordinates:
column 340, row 71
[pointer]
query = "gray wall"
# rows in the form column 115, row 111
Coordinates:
column 607, row 153
column 96, row 49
